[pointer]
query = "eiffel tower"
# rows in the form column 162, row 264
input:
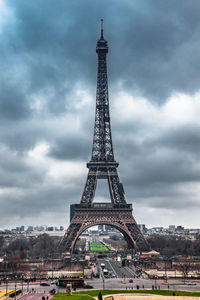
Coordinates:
column 102, row 165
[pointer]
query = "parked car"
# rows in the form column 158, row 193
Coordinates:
column 44, row 284
column 87, row 286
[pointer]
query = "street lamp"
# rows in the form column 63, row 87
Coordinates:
column 6, row 285
column 102, row 275
column 123, row 278
column 22, row 283
column 155, row 283
column 27, row 285
column 15, row 286
column 103, row 283
column 52, row 265
column 57, row 284
column 165, row 271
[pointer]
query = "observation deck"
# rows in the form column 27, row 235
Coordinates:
column 103, row 206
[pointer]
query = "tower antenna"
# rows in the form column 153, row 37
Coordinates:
column 101, row 29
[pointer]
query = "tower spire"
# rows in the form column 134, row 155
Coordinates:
column 101, row 29
column 102, row 142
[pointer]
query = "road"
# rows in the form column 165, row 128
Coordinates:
column 127, row 277
column 116, row 268
column 29, row 287
column 113, row 283
column 118, row 283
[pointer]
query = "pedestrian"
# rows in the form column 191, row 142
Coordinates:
column 47, row 297
column 100, row 296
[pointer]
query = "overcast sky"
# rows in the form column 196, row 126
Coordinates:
column 48, row 71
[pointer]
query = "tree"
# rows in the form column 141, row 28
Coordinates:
column 185, row 271
column 22, row 253
column 174, row 245
column 1, row 243
column 15, row 247
column 42, row 246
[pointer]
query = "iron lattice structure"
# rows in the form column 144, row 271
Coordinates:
column 103, row 166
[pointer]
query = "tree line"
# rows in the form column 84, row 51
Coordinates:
column 175, row 245
column 34, row 247
column 44, row 246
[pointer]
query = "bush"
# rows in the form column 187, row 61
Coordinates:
column 12, row 294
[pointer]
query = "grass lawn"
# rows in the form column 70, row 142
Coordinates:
column 154, row 292
column 63, row 296
column 97, row 246
column 88, row 295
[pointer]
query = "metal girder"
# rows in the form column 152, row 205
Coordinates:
column 115, row 186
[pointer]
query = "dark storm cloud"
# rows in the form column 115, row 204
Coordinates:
column 15, row 172
column 183, row 139
column 162, row 170
column 47, row 53
column 24, row 135
column 170, row 157
column 13, row 102
column 154, row 46
column 70, row 148
column 48, row 197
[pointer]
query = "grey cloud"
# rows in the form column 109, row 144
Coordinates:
column 17, row 173
column 48, row 49
column 160, row 164
column 160, row 170
column 13, row 104
column 154, row 46
column 71, row 148
column 22, row 136
column 36, row 202
column 183, row 138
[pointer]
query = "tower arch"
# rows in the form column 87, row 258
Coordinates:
column 130, row 242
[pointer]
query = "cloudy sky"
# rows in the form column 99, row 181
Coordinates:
column 47, row 102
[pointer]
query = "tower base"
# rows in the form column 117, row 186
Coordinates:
column 116, row 215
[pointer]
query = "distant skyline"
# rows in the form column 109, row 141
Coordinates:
column 48, row 69
column 91, row 228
